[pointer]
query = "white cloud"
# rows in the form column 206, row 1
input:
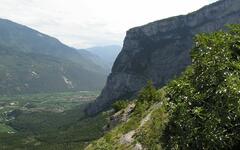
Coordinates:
column 84, row 23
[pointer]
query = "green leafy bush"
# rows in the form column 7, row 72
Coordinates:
column 205, row 101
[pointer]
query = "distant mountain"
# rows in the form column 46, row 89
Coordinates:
column 32, row 62
column 107, row 54
column 159, row 51
column 96, row 59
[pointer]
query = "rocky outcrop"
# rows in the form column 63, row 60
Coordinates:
column 159, row 51
column 119, row 117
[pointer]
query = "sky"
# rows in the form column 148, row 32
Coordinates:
column 88, row 23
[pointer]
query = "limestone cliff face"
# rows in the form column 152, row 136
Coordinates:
column 159, row 51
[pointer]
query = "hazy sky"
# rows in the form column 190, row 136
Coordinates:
column 86, row 23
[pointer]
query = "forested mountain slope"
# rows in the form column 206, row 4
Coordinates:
column 32, row 62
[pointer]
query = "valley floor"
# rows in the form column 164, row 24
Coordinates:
column 48, row 121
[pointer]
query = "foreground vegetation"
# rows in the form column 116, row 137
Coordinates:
column 198, row 110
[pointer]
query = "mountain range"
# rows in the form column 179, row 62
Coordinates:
column 32, row 62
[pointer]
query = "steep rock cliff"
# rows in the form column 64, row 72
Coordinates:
column 159, row 51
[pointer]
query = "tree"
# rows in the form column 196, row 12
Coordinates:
column 120, row 104
column 148, row 93
column 146, row 97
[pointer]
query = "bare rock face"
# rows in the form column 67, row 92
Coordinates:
column 159, row 51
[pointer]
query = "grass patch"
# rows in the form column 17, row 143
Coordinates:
column 5, row 128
